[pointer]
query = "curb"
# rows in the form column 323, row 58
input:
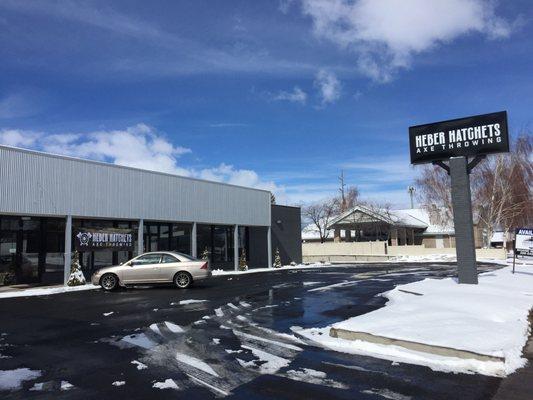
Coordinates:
column 415, row 346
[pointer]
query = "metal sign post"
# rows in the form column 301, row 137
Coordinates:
column 454, row 141
column 463, row 220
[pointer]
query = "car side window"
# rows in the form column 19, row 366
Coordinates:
column 166, row 259
column 147, row 259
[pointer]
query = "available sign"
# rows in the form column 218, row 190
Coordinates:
column 523, row 242
column 480, row 134
column 100, row 239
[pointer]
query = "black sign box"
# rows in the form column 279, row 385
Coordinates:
column 479, row 134
column 104, row 239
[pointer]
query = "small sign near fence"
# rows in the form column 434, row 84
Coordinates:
column 523, row 243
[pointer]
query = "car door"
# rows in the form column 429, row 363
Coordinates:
column 144, row 268
column 169, row 266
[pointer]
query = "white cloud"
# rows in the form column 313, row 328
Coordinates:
column 20, row 104
column 328, row 85
column 18, row 138
column 138, row 146
column 386, row 34
column 296, row 96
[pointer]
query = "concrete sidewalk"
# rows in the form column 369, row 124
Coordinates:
column 20, row 287
column 519, row 385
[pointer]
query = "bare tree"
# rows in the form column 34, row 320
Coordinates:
column 346, row 200
column 501, row 190
column 434, row 193
column 320, row 214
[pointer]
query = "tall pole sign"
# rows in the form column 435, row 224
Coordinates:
column 455, row 141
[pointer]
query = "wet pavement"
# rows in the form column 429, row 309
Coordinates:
column 229, row 338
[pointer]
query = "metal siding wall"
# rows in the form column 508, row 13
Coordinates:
column 41, row 184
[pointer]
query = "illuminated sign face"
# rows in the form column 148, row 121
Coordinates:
column 480, row 134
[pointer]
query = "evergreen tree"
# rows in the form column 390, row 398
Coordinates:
column 243, row 264
column 277, row 259
column 205, row 254
column 76, row 277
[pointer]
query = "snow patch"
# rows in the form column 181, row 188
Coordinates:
column 107, row 314
column 119, row 383
column 490, row 318
column 139, row 365
column 139, row 340
column 271, row 363
column 66, row 386
column 315, row 377
column 173, row 327
column 196, row 363
column 47, row 291
column 190, row 301
column 12, row 379
column 166, row 384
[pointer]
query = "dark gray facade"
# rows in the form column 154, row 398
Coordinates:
column 287, row 233
column 286, row 236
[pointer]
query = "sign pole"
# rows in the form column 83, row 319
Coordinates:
column 463, row 220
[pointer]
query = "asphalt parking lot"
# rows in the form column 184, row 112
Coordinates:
column 227, row 338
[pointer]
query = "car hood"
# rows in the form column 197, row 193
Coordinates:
column 107, row 269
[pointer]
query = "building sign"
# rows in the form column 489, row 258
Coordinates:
column 480, row 134
column 523, row 242
column 104, row 239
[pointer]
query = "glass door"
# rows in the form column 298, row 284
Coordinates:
column 8, row 257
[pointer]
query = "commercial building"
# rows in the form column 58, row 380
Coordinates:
column 52, row 205
column 407, row 227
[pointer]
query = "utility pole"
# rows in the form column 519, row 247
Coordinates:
column 411, row 190
column 341, row 189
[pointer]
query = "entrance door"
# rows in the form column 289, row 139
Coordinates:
column 8, row 257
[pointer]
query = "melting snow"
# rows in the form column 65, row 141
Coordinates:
column 196, row 363
column 12, row 379
column 173, row 327
column 272, row 363
column 191, row 301
column 139, row 364
column 166, row 384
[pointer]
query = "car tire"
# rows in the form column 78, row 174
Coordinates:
column 109, row 282
column 183, row 280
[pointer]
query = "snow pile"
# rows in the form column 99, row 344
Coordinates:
column 438, row 258
column 489, row 319
column 47, row 291
column 217, row 272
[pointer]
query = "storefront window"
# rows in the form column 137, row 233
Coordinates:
column 167, row 237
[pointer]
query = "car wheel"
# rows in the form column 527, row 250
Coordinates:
column 182, row 280
column 109, row 282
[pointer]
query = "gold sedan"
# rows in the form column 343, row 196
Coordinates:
column 156, row 267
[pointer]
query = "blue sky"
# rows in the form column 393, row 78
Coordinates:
column 280, row 95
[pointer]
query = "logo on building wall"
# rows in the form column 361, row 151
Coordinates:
column 104, row 239
column 84, row 238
